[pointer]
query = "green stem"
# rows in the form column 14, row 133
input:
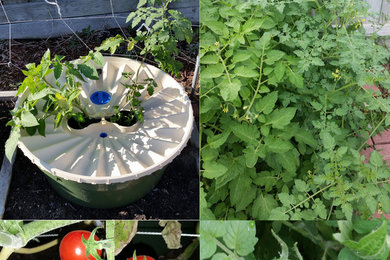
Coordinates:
column 372, row 132
column 344, row 87
column 227, row 250
column 258, row 82
column 6, row 252
column 310, row 197
column 110, row 234
column 224, row 67
column 37, row 249
column 38, row 227
column 189, row 251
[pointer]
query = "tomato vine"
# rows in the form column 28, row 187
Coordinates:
column 285, row 112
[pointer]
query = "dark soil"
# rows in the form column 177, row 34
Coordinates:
column 176, row 196
column 30, row 196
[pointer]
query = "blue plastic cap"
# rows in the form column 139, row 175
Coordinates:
column 100, row 97
column 103, row 134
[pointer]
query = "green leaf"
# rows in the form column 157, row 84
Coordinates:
column 266, row 104
column 141, row 3
column 229, row 91
column 262, row 206
column 217, row 27
column 328, row 141
column 251, row 156
column 274, row 55
column 28, row 119
column 305, row 137
column 41, row 127
column 277, row 145
column 371, row 246
column 347, row 210
column 88, row 70
column 268, row 23
column 213, row 170
column 284, row 254
column 209, row 59
column 242, row 192
column 252, row 24
column 245, row 72
column 98, row 58
column 241, row 242
column 212, row 71
column 110, row 43
column 124, row 233
column 58, row 68
column 279, row 118
column 287, row 160
column 241, row 56
column 210, row 230
column 218, row 140
column 12, row 143
column 347, row 254
column 247, row 133
column 279, row 71
column 295, row 79
column 39, row 95
column 301, row 186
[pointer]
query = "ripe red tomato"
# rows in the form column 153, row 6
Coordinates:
column 72, row 247
column 141, row 257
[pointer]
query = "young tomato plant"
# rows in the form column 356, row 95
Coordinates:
column 61, row 99
column 284, row 114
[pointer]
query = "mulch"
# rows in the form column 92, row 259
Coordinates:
column 30, row 196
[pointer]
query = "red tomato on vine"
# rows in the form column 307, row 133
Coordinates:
column 72, row 247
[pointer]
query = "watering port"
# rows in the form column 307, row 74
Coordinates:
column 103, row 135
column 100, row 97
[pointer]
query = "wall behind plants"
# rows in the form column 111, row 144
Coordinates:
column 41, row 20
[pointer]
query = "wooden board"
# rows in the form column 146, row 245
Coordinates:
column 44, row 29
column 37, row 11
column 5, row 181
column 41, row 20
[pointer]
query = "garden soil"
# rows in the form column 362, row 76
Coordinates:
column 30, row 196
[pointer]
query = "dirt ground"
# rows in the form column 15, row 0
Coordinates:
column 30, row 196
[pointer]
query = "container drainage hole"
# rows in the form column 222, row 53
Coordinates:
column 103, row 135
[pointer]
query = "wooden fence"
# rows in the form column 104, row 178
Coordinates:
column 39, row 19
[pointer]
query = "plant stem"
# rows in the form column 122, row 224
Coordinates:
column 372, row 132
column 189, row 251
column 37, row 249
column 315, row 194
column 227, row 250
column 6, row 252
column 38, row 227
column 258, row 82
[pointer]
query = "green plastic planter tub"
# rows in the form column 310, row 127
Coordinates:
column 106, row 165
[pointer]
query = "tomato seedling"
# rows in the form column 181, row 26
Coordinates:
column 72, row 247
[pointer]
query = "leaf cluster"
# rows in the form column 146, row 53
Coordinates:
column 285, row 114
column 165, row 28
column 282, row 240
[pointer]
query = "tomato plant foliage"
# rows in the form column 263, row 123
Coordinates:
column 283, row 240
column 284, row 111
